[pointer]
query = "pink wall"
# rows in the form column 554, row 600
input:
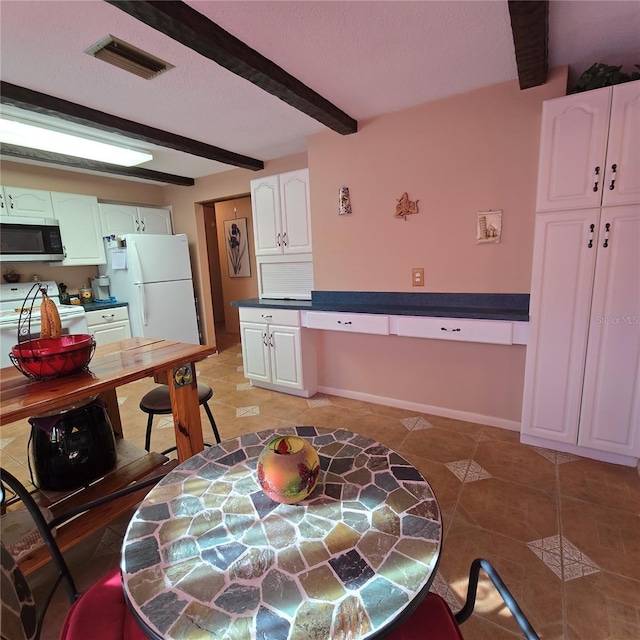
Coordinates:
column 467, row 153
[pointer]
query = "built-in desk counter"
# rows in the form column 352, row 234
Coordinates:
column 469, row 317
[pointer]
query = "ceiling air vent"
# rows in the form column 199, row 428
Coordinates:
column 127, row 57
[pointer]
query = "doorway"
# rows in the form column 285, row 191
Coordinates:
column 225, row 285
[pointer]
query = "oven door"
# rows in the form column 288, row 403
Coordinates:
column 73, row 321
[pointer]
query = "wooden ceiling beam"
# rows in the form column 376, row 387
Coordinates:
column 42, row 103
column 48, row 157
column 194, row 30
column 530, row 27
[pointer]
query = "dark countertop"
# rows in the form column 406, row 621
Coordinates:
column 484, row 306
column 97, row 306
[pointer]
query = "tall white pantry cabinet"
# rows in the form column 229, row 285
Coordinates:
column 582, row 374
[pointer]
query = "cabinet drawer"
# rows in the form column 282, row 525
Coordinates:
column 104, row 316
column 352, row 322
column 287, row 317
column 462, row 329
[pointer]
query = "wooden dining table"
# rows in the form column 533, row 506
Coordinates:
column 112, row 366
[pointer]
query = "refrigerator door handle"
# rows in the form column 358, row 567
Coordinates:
column 143, row 304
column 136, row 264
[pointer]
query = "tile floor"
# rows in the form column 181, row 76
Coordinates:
column 563, row 531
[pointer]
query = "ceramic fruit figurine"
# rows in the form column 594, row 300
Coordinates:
column 288, row 469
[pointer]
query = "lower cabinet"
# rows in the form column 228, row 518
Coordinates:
column 277, row 353
column 109, row 325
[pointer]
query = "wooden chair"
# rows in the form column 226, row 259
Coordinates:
column 100, row 612
column 158, row 402
column 434, row 620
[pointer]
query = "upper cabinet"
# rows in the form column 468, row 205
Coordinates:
column 33, row 203
column 281, row 213
column 80, row 229
column 590, row 149
column 120, row 219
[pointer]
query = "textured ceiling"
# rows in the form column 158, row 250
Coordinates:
column 368, row 58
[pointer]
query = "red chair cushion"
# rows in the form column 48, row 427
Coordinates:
column 432, row 620
column 101, row 612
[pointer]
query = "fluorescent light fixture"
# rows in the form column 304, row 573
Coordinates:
column 39, row 137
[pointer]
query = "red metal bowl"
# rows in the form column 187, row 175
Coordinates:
column 53, row 357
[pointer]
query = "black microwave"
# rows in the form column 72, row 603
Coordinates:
column 30, row 239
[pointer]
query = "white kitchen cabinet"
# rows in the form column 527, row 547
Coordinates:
column 33, row 203
column 281, row 214
column 120, row 219
column 590, row 149
column 80, row 229
column 582, row 374
column 109, row 325
column 277, row 353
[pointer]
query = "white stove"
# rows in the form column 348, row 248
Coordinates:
column 18, row 315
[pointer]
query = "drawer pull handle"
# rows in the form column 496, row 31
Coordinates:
column 607, row 226
column 614, row 169
column 266, row 317
column 345, row 322
column 445, row 329
column 111, row 317
column 597, row 173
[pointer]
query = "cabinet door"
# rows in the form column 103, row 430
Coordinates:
column 107, row 333
column 118, row 219
column 155, row 220
column 3, row 203
column 265, row 207
column 610, row 416
column 28, row 202
column 255, row 351
column 622, row 174
column 295, row 211
column 286, row 358
column 80, row 228
column 561, row 286
column 572, row 150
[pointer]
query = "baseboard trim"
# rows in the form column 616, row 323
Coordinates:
column 584, row 452
column 444, row 412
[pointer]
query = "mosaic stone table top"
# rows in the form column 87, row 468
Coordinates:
column 209, row 555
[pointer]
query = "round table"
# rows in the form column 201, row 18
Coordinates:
column 208, row 554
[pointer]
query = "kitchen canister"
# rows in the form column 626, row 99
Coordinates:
column 86, row 295
column 288, row 469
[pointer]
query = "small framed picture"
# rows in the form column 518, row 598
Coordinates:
column 237, row 244
column 489, row 227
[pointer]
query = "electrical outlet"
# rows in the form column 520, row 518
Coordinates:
column 417, row 276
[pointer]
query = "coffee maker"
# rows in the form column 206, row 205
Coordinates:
column 100, row 287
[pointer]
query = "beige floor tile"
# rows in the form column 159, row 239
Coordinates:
column 516, row 462
column 440, row 444
column 603, row 606
column 610, row 538
column 537, row 590
column 514, row 510
column 610, row 485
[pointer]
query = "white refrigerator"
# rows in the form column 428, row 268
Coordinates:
column 153, row 274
